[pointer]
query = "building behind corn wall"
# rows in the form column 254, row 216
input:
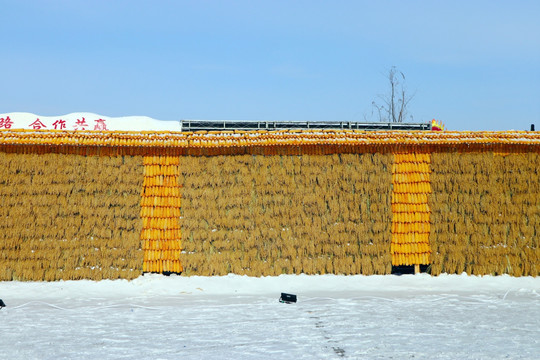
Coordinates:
column 107, row 205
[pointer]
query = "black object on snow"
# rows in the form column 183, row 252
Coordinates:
column 287, row 298
column 2, row 304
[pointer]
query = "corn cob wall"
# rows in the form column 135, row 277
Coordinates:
column 410, row 209
column 485, row 213
column 160, row 211
column 69, row 217
column 84, row 205
column 268, row 215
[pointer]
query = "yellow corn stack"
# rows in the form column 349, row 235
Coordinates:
column 410, row 209
column 281, row 142
column 160, row 213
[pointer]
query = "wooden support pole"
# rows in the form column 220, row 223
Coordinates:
column 417, row 268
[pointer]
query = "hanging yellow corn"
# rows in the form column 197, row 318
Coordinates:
column 410, row 209
column 160, row 212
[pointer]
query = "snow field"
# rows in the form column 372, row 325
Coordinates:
column 239, row 317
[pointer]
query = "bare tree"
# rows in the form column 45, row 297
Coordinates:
column 394, row 107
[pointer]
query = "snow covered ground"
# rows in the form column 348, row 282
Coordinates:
column 238, row 317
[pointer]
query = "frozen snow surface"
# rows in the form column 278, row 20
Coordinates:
column 239, row 317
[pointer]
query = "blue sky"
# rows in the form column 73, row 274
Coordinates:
column 475, row 65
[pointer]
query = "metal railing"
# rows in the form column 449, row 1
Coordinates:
column 230, row 125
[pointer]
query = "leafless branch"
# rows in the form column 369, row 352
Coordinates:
column 394, row 108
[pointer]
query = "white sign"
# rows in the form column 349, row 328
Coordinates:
column 85, row 121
